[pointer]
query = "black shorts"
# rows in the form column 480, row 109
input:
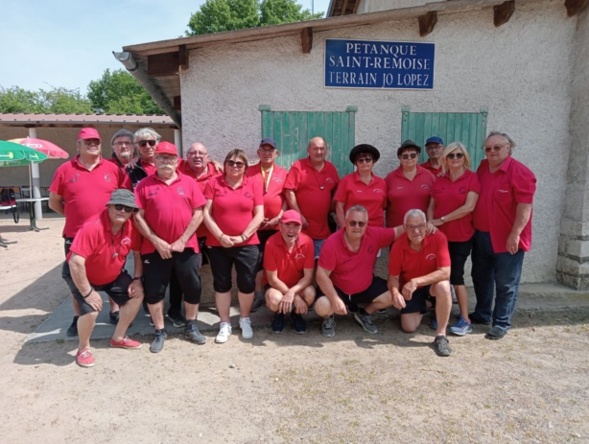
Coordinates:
column 246, row 260
column 117, row 290
column 377, row 287
column 418, row 302
column 157, row 273
column 459, row 252
column 202, row 247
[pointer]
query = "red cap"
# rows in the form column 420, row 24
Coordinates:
column 291, row 217
column 166, row 148
column 88, row 133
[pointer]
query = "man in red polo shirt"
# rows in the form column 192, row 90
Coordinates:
column 79, row 190
column 96, row 263
column 289, row 260
column 309, row 189
column 434, row 147
column 170, row 211
column 345, row 273
column 419, row 267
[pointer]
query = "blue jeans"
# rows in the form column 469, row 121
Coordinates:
column 495, row 271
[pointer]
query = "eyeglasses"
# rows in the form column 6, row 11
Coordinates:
column 455, row 155
column 494, row 148
column 267, row 150
column 123, row 143
column 364, row 160
column 354, row 223
column 408, row 156
column 433, row 147
column 196, row 154
column 90, row 142
column 143, row 143
column 127, row 209
column 233, row 163
column 415, row 227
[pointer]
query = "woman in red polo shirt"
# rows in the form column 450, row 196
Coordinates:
column 409, row 186
column 233, row 213
column 454, row 198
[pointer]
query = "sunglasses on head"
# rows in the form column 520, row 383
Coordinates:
column 455, row 155
column 233, row 163
column 127, row 209
column 143, row 143
column 408, row 156
column 354, row 223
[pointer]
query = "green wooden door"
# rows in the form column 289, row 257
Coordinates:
column 292, row 131
column 468, row 128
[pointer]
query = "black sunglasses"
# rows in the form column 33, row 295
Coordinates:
column 143, row 143
column 408, row 155
column 233, row 163
column 457, row 155
column 127, row 209
column 354, row 223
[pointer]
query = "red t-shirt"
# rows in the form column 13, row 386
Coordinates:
column 290, row 266
column 352, row 272
column 352, row 191
column 84, row 192
column 233, row 209
column 314, row 190
column 168, row 209
column 273, row 188
column 408, row 263
column 201, row 181
column 450, row 195
column 428, row 166
column 501, row 191
column 105, row 252
column 404, row 194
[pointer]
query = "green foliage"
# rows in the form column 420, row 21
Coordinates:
column 57, row 100
column 229, row 15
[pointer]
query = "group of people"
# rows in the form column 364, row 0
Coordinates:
column 273, row 227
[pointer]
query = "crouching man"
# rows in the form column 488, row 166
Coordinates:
column 419, row 268
column 96, row 263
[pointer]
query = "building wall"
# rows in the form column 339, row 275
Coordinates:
column 520, row 71
column 385, row 5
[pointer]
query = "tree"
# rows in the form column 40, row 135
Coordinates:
column 229, row 15
column 57, row 100
column 118, row 92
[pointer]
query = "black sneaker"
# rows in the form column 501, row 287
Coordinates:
column 298, row 323
column 192, row 333
column 442, row 346
column 158, row 343
column 72, row 330
column 278, row 323
column 113, row 317
column 178, row 321
column 495, row 333
column 328, row 327
column 365, row 320
column 476, row 318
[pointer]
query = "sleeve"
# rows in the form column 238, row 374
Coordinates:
column 327, row 255
column 340, row 194
column 258, row 192
column 292, row 178
column 443, row 256
column 523, row 183
column 269, row 257
column 139, row 195
column 57, row 182
column 209, row 191
column 197, row 198
column 395, row 259
column 85, row 241
column 136, row 238
column 309, row 255
column 474, row 184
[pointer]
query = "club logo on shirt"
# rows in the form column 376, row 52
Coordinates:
column 426, row 186
column 180, row 191
column 107, row 177
column 431, row 257
column 74, row 178
column 152, row 192
column 462, row 190
column 248, row 195
column 126, row 241
column 277, row 179
column 377, row 190
column 299, row 256
column 502, row 191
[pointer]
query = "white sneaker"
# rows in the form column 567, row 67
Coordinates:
column 224, row 333
column 246, row 328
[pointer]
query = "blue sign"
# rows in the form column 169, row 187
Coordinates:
column 379, row 64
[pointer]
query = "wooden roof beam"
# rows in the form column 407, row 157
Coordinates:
column 503, row 12
column 427, row 22
column 165, row 64
column 574, row 7
column 307, row 40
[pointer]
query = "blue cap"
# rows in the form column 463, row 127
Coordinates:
column 268, row 141
column 434, row 139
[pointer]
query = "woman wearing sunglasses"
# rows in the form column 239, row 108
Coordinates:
column 362, row 187
column 233, row 213
column 454, row 197
column 409, row 186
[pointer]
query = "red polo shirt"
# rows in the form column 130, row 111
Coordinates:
column 428, row 166
column 201, row 181
column 352, row 272
column 105, row 252
column 314, row 190
column 289, row 265
column 450, row 195
column 168, row 209
column 404, row 194
column 84, row 192
column 501, row 191
column 273, row 187
column 233, row 209
column 353, row 191
column 408, row 263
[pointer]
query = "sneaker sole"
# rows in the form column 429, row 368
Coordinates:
column 85, row 365
column 220, row 341
column 460, row 332
column 300, row 332
column 328, row 335
column 125, row 347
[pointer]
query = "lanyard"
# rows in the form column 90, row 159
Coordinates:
column 269, row 176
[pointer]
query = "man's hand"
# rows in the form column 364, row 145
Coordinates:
column 300, row 305
column 512, row 244
column 94, row 300
column 135, row 289
column 408, row 290
column 430, row 227
column 398, row 300
column 178, row 246
column 285, row 305
column 339, row 307
column 163, row 248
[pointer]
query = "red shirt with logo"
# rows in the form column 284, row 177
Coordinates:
column 408, row 263
column 233, row 209
column 290, row 266
column 314, row 190
column 501, row 191
column 105, row 252
column 450, row 195
column 85, row 192
column 428, row 166
column 273, row 187
column 168, row 209
column 353, row 191
column 404, row 194
column 352, row 272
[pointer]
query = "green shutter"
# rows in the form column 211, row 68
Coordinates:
column 468, row 128
column 293, row 129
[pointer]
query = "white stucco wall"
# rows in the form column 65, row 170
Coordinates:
column 385, row 5
column 521, row 71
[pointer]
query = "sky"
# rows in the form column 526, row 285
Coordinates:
column 47, row 44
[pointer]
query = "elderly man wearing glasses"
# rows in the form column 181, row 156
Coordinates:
column 96, row 260
column 503, row 222
column 345, row 272
column 146, row 141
